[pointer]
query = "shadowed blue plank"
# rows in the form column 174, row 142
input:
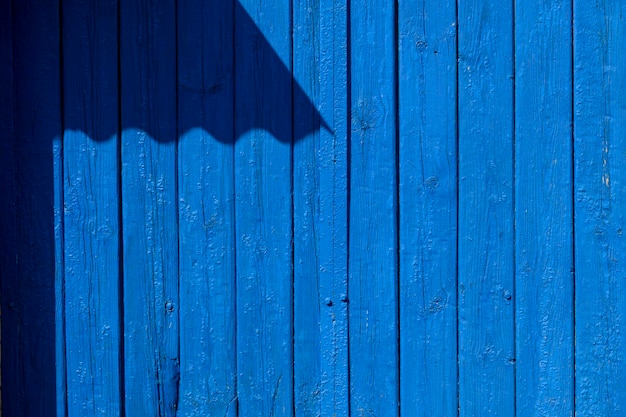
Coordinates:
column 263, row 210
column 28, row 289
column 149, row 210
column 427, row 157
column 8, row 225
column 543, row 209
column 600, row 184
column 373, row 251
column 90, row 195
column 486, row 212
column 320, row 211
column 206, row 209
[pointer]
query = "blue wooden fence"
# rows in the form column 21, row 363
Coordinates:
column 313, row 207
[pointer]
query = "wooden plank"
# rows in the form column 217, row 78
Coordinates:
column 8, row 226
column 263, row 128
column 486, row 210
column 320, row 209
column 206, row 209
column 29, row 320
column 543, row 206
column 373, row 246
column 599, row 149
column 308, row 302
column 149, row 209
column 428, row 208
column 91, row 224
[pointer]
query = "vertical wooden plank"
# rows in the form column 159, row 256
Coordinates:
column 373, row 251
column 91, row 224
column 263, row 172
column 29, row 294
column 149, row 210
column 8, row 243
column 308, row 304
column 600, row 178
column 206, row 209
column 543, row 206
column 320, row 210
column 486, row 212
column 428, row 209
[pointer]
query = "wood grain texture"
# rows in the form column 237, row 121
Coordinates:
column 543, row 206
column 308, row 301
column 149, row 207
column 263, row 210
column 428, row 209
column 320, row 211
column 373, row 251
column 90, row 195
column 29, row 293
column 206, row 209
column 486, row 212
column 600, row 180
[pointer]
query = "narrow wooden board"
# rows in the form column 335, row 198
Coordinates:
column 600, row 199
column 428, row 206
column 206, row 209
column 263, row 130
column 373, row 209
column 91, row 210
column 29, row 315
column 320, row 209
column 486, row 210
column 149, row 206
column 544, row 278
column 8, row 226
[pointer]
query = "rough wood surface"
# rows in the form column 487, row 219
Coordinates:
column 427, row 158
column 91, row 210
column 599, row 181
column 298, row 208
column 486, row 212
column 544, row 279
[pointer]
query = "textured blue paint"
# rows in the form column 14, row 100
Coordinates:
column 90, row 195
column 486, row 212
column 320, row 211
column 543, row 209
column 428, row 210
column 206, row 210
column 312, row 208
column 149, row 207
column 373, row 251
column 309, row 303
column 600, row 198
column 263, row 207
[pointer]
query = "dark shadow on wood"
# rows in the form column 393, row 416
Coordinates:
column 31, row 119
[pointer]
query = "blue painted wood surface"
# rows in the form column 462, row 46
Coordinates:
column 28, row 282
column 373, row 211
column 599, row 150
column 427, row 158
column 91, row 277
column 320, row 211
column 486, row 259
column 208, row 366
column 149, row 207
column 310, row 208
column 263, row 221
column 544, row 280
